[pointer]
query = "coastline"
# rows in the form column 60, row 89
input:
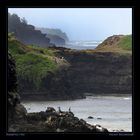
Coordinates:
column 112, row 119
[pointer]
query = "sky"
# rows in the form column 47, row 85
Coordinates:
column 80, row 23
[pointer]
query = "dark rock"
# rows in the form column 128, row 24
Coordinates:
column 56, row 39
column 90, row 117
column 12, row 79
column 44, row 122
column 98, row 125
column 50, row 109
column 100, row 129
column 83, row 121
column 16, row 111
column 99, row 118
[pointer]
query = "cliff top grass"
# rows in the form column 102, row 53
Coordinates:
column 125, row 43
column 121, row 44
column 33, row 63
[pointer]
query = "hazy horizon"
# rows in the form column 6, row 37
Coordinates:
column 80, row 23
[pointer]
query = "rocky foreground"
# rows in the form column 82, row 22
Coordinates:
column 51, row 121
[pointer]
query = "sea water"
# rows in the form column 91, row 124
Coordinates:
column 82, row 45
column 113, row 112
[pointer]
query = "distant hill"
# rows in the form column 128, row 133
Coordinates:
column 26, row 33
column 56, row 32
column 116, row 43
column 55, row 39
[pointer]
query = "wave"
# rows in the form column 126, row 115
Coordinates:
column 83, row 44
column 127, row 98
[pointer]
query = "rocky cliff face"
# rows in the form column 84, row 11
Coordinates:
column 55, row 39
column 57, row 86
column 100, row 72
column 16, row 111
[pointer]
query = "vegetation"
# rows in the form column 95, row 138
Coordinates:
column 32, row 63
column 26, row 33
column 126, row 42
column 121, row 44
column 54, row 32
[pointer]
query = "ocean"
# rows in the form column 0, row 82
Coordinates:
column 113, row 112
column 82, row 45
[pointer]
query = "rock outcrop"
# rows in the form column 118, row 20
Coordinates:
column 55, row 39
column 54, row 121
column 16, row 111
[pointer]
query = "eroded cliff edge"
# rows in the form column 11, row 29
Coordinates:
column 100, row 72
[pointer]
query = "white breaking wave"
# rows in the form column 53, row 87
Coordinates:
column 126, row 98
column 80, row 45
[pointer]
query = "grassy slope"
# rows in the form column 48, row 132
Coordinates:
column 33, row 63
column 125, row 42
column 123, row 46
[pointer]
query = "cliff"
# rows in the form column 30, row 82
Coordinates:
column 99, row 72
column 16, row 111
column 58, row 73
column 26, row 33
column 49, row 121
column 56, row 32
column 55, row 39
column 107, row 69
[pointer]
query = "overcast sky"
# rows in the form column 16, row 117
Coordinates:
column 80, row 23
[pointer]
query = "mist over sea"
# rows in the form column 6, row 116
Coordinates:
column 113, row 112
column 82, row 45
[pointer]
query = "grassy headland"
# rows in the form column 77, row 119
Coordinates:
column 121, row 44
column 33, row 63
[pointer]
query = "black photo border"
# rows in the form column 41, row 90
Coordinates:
column 59, row 4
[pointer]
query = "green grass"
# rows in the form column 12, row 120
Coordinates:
column 126, row 42
column 123, row 46
column 32, row 63
column 34, row 67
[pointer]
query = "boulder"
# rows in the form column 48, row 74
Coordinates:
column 99, row 118
column 50, row 109
column 90, row 117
